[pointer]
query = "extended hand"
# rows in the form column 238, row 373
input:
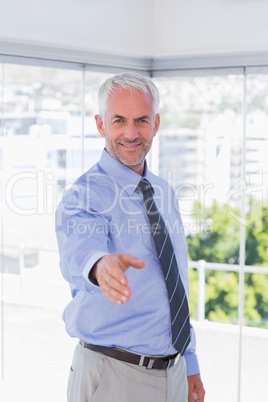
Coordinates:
column 196, row 389
column 110, row 270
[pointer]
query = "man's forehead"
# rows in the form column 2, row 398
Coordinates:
column 139, row 116
column 123, row 99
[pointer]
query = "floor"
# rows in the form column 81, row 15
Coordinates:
column 37, row 352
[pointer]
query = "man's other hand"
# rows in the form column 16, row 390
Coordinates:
column 196, row 389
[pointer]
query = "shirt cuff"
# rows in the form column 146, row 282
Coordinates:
column 93, row 286
column 192, row 365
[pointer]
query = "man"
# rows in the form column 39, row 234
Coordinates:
column 113, row 227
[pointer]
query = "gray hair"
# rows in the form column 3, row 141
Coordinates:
column 131, row 81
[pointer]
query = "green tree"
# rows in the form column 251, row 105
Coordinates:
column 220, row 244
column 220, row 241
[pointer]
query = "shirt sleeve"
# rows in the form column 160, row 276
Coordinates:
column 82, row 235
column 190, row 356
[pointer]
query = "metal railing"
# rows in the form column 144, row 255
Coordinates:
column 202, row 266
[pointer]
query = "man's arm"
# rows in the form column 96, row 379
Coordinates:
column 82, row 239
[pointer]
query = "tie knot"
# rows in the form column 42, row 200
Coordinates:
column 145, row 187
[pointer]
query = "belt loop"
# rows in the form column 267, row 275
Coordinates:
column 141, row 360
column 150, row 364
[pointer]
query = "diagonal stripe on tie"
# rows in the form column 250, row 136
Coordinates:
column 179, row 311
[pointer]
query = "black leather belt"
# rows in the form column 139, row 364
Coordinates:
column 150, row 362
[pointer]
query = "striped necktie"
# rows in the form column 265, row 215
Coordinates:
column 180, row 326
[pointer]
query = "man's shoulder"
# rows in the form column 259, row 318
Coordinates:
column 94, row 176
column 89, row 191
column 156, row 180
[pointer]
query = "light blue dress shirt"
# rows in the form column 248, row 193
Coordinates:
column 103, row 213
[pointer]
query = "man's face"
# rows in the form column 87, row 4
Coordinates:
column 130, row 125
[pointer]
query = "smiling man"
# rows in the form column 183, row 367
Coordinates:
column 129, row 286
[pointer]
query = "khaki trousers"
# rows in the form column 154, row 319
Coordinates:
column 98, row 378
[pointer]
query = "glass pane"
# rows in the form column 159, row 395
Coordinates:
column 93, row 142
column 256, row 184
column 255, row 331
column 42, row 153
column 198, row 151
column 1, row 227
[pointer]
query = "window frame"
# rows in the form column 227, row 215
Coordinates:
column 240, row 64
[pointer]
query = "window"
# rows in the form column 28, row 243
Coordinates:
column 212, row 147
column 217, row 163
column 44, row 141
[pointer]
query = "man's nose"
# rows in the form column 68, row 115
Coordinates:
column 131, row 132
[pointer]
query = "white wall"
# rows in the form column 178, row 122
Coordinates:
column 184, row 27
column 139, row 27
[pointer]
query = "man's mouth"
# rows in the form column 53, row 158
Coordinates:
column 130, row 146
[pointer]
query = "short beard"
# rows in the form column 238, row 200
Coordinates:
column 117, row 155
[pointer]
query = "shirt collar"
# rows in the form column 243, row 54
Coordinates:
column 125, row 177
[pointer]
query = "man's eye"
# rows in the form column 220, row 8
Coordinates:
column 142, row 120
column 118, row 121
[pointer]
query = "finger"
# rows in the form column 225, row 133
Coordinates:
column 117, row 272
column 115, row 291
column 190, row 397
column 199, row 395
column 117, row 297
column 115, row 284
column 110, row 266
column 114, row 280
column 129, row 260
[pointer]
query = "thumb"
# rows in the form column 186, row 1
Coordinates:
column 129, row 260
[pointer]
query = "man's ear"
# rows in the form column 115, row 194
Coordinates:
column 100, row 125
column 156, row 123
